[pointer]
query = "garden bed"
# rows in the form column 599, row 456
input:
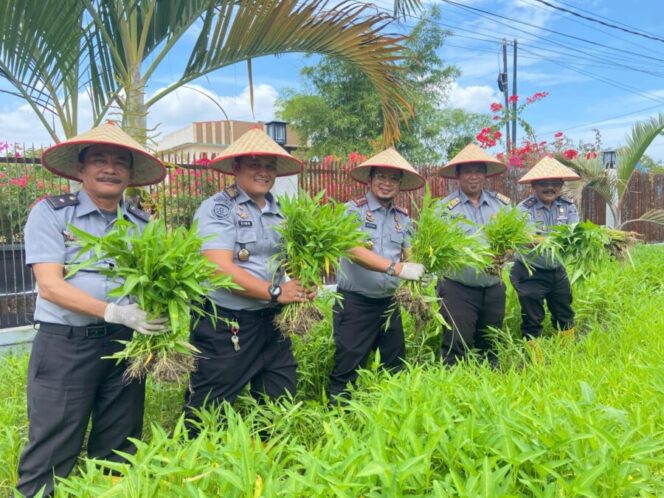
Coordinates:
column 585, row 421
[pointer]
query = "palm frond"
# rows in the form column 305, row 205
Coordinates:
column 351, row 31
column 638, row 141
column 653, row 216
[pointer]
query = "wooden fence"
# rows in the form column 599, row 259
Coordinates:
column 23, row 181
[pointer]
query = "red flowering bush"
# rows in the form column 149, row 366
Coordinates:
column 333, row 177
column 531, row 150
column 21, row 186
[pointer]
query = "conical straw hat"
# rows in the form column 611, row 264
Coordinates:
column 471, row 153
column 549, row 168
column 62, row 158
column 256, row 142
column 389, row 158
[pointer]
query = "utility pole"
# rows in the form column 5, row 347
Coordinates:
column 514, row 103
column 503, row 86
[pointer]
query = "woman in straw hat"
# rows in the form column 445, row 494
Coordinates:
column 471, row 301
column 368, row 280
column 244, row 346
column 68, row 381
column 545, row 208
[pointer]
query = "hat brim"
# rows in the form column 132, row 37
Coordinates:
column 62, row 160
column 492, row 168
column 409, row 181
column 286, row 164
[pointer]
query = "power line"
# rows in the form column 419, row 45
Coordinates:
column 583, row 125
column 603, row 23
column 487, row 15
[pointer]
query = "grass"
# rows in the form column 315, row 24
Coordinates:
column 586, row 421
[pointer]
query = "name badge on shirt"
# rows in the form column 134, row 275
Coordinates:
column 245, row 223
column 370, row 225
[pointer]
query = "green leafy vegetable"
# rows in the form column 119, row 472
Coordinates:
column 164, row 272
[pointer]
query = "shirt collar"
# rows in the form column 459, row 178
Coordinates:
column 374, row 204
column 464, row 198
column 540, row 205
column 243, row 197
column 86, row 206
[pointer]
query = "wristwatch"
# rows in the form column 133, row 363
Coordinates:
column 391, row 270
column 275, row 292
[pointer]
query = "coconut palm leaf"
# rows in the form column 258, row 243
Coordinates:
column 43, row 58
column 640, row 138
column 247, row 29
column 653, row 216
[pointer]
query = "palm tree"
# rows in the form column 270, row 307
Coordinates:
column 613, row 188
column 52, row 49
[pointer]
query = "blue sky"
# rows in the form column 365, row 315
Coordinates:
column 596, row 76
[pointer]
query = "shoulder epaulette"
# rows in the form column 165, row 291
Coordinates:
column 61, row 201
column 502, row 198
column 231, row 191
column 453, row 203
column 401, row 210
column 360, row 201
column 139, row 213
column 530, row 201
column 568, row 200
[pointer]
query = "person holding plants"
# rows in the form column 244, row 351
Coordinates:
column 548, row 279
column 78, row 324
column 243, row 345
column 370, row 276
column 471, row 300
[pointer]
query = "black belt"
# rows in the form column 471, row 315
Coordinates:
column 89, row 331
column 367, row 299
column 268, row 311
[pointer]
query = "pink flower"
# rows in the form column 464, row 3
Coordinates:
column 513, row 99
column 559, row 134
column 4, row 146
column 497, row 135
column 515, row 161
column 591, row 155
column 570, row 154
column 496, row 107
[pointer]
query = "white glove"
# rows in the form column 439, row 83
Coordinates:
column 135, row 318
column 411, row 271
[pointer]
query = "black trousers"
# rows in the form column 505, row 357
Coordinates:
column 550, row 285
column 69, row 382
column 359, row 328
column 470, row 311
column 265, row 360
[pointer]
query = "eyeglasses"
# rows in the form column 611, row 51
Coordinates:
column 388, row 179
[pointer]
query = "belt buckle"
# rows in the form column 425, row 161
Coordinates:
column 95, row 331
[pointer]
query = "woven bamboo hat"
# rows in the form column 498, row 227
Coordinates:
column 549, row 168
column 62, row 158
column 256, row 142
column 471, row 153
column 389, row 158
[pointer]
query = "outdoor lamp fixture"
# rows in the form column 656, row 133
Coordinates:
column 609, row 159
column 276, row 130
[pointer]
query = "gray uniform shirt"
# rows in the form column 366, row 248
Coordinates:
column 235, row 222
column 458, row 204
column 561, row 212
column 49, row 240
column 388, row 229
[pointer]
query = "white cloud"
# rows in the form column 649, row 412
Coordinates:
column 472, row 98
column 184, row 106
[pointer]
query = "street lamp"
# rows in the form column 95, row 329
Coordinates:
column 609, row 158
column 277, row 131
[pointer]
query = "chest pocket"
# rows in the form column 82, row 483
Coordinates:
column 246, row 235
column 396, row 239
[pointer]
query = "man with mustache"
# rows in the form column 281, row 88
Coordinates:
column 548, row 281
column 68, row 381
column 371, row 274
column 472, row 301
